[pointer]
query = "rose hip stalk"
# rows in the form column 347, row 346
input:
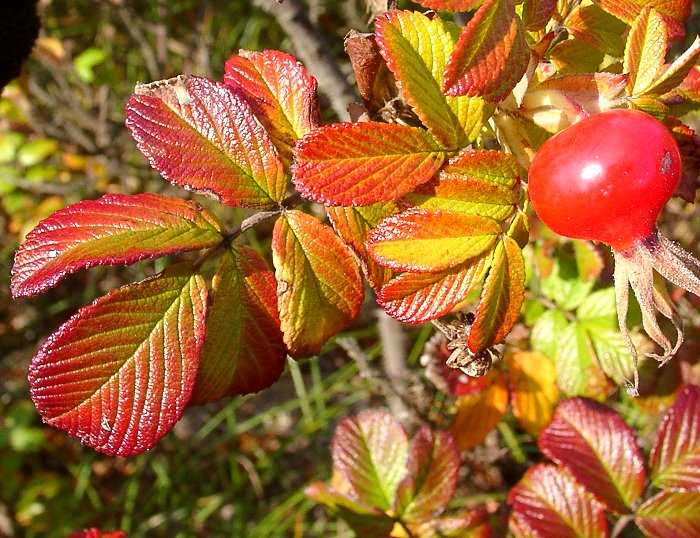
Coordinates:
column 606, row 178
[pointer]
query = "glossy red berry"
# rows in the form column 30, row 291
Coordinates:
column 606, row 178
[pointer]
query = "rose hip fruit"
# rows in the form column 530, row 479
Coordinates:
column 606, row 178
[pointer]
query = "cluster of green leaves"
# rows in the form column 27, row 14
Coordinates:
column 385, row 486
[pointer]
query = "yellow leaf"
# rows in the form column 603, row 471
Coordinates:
column 477, row 414
column 645, row 51
column 534, row 389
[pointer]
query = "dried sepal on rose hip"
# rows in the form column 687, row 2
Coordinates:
column 606, row 178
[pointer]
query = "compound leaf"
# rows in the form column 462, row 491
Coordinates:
column 501, row 297
column 370, row 452
column 425, row 241
column 416, row 49
column 491, row 55
column 675, row 456
column 355, row 164
column 119, row 373
column 280, row 92
column 549, row 502
column 534, row 391
column 243, row 351
column 319, row 286
column 599, row 449
column 669, row 514
column 115, row 229
column 202, row 136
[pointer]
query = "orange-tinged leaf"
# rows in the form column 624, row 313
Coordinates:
column 478, row 414
column 549, row 502
column 353, row 225
column 675, row 12
column 534, row 391
column 319, row 286
column 416, row 49
column 114, row 229
column 597, row 29
column 280, row 92
column 243, row 351
column 479, row 182
column 420, row 297
column 119, row 373
column 536, row 13
column 645, row 51
column 491, row 55
column 427, row 241
column 451, row 5
column 355, row 164
column 200, row 135
column 501, row 297
column 670, row 514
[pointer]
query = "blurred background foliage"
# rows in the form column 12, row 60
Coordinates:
column 237, row 467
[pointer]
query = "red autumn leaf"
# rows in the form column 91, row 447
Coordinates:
column 116, row 229
column 420, row 297
column 202, row 136
column 354, row 164
column 599, row 449
column 370, row 452
column 675, row 456
column 279, row 91
column 491, row 55
column 536, row 13
column 243, row 351
column 427, row 241
column 501, row 297
column 353, row 225
column 675, row 12
column 549, row 502
column 119, row 373
column 97, row 533
column 670, row 514
column 432, row 465
column 319, row 286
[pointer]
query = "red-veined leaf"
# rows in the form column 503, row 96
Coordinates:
column 479, row 182
column 599, row 449
column 420, row 297
column 115, row 229
column 597, row 29
column 645, row 51
column 426, row 241
column 319, row 286
column 119, row 373
column 432, row 464
column 670, row 514
column 202, row 136
column 501, row 297
column 451, row 5
column 549, row 502
column 416, row 48
column 491, row 55
column 243, row 351
column 675, row 12
column 370, row 451
column 477, row 414
column 534, row 391
column 536, row 13
column 471, row 523
column 675, row 457
column 353, row 224
column 355, row 164
column 279, row 91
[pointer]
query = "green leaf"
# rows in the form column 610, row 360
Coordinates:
column 477, row 182
column 86, row 61
column 36, row 151
column 597, row 29
column 564, row 286
column 501, row 297
column 670, row 514
column 645, row 51
column 611, row 351
column 243, row 351
column 573, row 360
column 355, row 164
column 416, row 49
column 428, row 241
column 599, row 306
column 319, row 286
column 546, row 332
column 598, row 449
column 491, row 55
column 370, row 451
column 119, row 373
column 589, row 261
column 574, row 56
